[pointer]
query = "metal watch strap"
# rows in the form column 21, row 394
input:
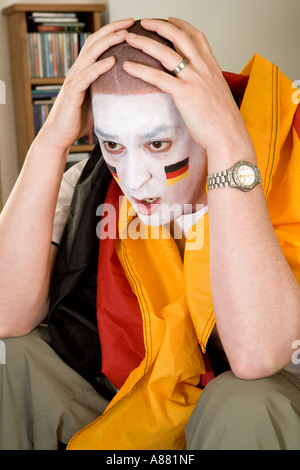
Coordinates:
column 219, row 180
column 231, row 177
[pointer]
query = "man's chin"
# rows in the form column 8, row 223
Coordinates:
column 158, row 219
column 151, row 220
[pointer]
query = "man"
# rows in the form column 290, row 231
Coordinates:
column 160, row 137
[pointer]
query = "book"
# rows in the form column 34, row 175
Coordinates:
column 53, row 14
column 49, row 28
column 41, row 109
column 44, row 88
column 51, row 54
column 40, row 57
column 44, row 95
column 35, row 55
column 53, row 27
column 55, row 20
column 65, row 24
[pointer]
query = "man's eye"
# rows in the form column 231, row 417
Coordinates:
column 159, row 146
column 112, row 147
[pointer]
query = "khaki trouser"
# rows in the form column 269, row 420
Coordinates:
column 235, row 414
column 43, row 402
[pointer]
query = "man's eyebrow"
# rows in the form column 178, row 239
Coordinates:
column 148, row 136
column 105, row 136
column 157, row 131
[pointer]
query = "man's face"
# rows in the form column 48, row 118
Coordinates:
column 157, row 164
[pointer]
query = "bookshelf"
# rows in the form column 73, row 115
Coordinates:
column 20, row 24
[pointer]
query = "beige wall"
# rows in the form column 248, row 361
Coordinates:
column 235, row 29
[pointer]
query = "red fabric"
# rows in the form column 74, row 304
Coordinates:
column 297, row 121
column 205, row 378
column 237, row 83
column 118, row 312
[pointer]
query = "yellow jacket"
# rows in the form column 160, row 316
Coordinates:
column 155, row 402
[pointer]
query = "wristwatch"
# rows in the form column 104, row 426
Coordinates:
column 243, row 175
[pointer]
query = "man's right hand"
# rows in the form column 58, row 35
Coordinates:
column 71, row 115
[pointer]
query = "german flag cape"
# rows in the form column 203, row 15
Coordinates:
column 155, row 401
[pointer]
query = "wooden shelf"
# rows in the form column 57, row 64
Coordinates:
column 82, row 148
column 62, row 7
column 47, row 81
column 17, row 20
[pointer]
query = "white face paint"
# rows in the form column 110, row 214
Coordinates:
column 139, row 136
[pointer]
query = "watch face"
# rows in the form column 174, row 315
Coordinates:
column 245, row 175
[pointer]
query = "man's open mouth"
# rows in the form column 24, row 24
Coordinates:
column 147, row 206
column 150, row 200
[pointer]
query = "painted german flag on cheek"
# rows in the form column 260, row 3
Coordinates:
column 113, row 171
column 177, row 171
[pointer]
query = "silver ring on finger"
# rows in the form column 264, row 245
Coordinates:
column 180, row 67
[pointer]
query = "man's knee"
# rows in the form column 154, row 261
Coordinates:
column 15, row 350
column 240, row 394
column 249, row 414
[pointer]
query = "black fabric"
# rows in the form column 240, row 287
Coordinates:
column 217, row 359
column 72, row 316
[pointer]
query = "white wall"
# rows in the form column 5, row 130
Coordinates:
column 235, row 29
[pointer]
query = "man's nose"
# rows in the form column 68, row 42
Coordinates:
column 137, row 172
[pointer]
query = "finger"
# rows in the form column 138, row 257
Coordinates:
column 158, row 78
column 181, row 40
column 187, row 40
column 83, row 80
column 96, row 48
column 197, row 36
column 112, row 27
column 98, row 42
column 167, row 56
column 90, row 55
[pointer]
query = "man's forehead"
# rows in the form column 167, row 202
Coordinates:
column 146, row 116
column 152, row 134
column 147, row 94
column 159, row 103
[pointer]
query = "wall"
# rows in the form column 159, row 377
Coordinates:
column 235, row 29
